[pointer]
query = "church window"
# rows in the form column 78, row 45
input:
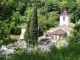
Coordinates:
column 63, row 18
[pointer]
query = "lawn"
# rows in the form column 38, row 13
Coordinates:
column 14, row 37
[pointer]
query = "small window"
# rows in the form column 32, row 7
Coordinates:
column 56, row 37
column 63, row 18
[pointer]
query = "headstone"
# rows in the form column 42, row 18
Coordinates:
column 9, row 51
column 3, row 48
column 64, row 43
column 30, row 49
column 43, row 48
column 21, row 44
column 52, row 43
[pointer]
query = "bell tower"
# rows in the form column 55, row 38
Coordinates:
column 64, row 19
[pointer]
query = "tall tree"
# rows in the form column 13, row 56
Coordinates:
column 31, row 35
column 34, row 27
column 6, row 10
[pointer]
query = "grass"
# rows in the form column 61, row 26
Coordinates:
column 14, row 37
column 72, row 52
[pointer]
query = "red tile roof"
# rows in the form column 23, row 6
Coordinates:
column 49, row 34
column 65, row 27
column 59, row 32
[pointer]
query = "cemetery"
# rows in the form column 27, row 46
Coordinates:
column 39, row 29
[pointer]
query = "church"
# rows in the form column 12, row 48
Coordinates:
column 63, row 30
column 57, row 33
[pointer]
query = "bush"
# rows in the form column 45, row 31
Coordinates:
column 1, row 41
column 15, row 31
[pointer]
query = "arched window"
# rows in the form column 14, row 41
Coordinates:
column 63, row 18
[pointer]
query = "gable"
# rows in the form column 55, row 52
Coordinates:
column 59, row 32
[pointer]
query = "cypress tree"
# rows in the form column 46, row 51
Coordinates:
column 27, row 33
column 34, row 27
column 31, row 34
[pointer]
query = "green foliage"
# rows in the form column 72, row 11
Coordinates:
column 73, row 9
column 75, row 38
column 42, row 21
column 4, row 33
column 11, row 12
column 31, row 34
column 27, row 33
column 34, row 27
column 15, row 23
column 52, row 21
column 62, row 6
column 77, row 27
column 1, row 42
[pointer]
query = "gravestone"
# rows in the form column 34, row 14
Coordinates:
column 44, row 48
column 3, row 48
column 64, row 43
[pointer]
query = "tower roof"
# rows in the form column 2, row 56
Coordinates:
column 64, row 13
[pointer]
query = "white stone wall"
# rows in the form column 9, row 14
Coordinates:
column 66, row 21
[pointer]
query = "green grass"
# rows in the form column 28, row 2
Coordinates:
column 14, row 37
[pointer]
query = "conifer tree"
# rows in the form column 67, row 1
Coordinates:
column 31, row 35
column 34, row 27
column 27, row 34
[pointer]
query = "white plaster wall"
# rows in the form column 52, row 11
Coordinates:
column 66, row 21
column 58, row 37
